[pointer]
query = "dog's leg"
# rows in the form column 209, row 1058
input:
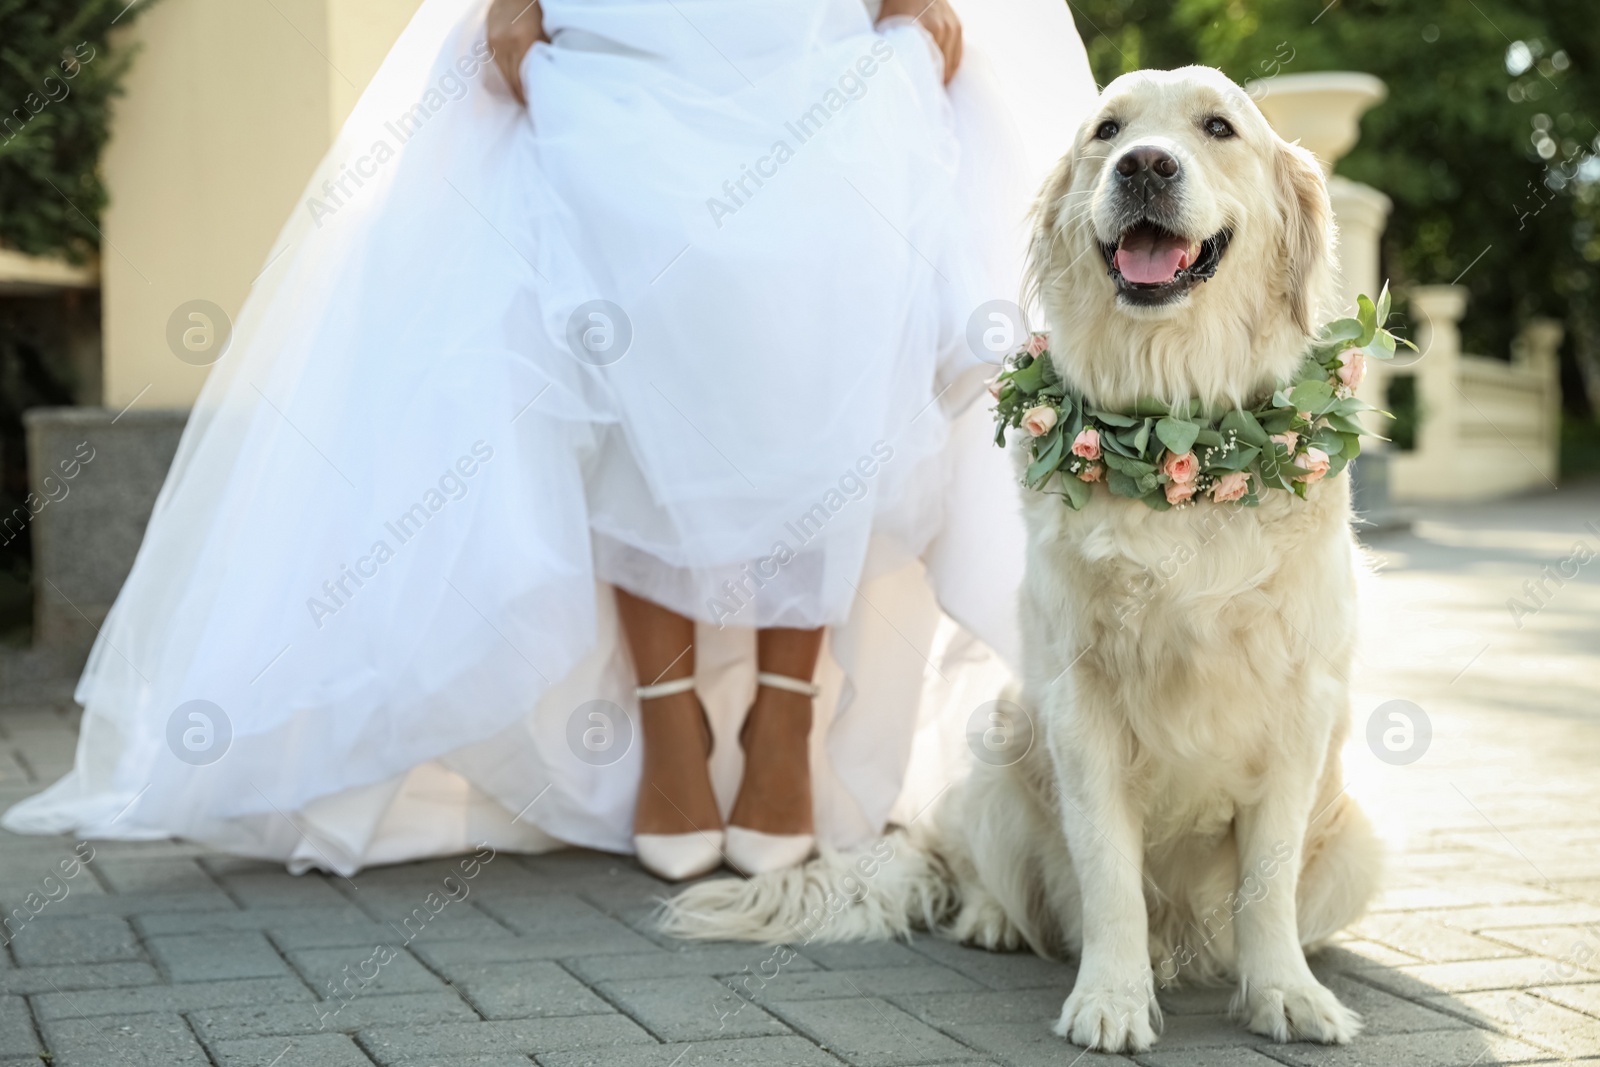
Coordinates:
column 1112, row 1006
column 1278, row 995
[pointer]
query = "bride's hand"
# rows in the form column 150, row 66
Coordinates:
column 514, row 26
column 939, row 19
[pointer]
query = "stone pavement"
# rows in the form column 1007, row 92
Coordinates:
column 1485, row 948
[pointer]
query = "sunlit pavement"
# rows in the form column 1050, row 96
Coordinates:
column 1483, row 765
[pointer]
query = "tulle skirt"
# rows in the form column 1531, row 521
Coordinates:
column 697, row 323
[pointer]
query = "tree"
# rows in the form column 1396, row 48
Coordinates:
column 57, row 78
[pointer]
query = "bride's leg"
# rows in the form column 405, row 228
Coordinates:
column 675, row 795
column 775, row 795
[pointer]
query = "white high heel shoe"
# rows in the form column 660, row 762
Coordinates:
column 677, row 857
column 752, row 852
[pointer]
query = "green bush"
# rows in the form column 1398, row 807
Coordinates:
column 58, row 76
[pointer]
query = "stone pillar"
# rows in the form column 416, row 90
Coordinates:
column 1438, row 310
column 1538, row 348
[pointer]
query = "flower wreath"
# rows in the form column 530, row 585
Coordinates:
column 1167, row 454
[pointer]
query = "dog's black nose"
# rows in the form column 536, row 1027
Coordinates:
column 1147, row 169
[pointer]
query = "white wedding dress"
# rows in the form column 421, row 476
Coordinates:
column 501, row 360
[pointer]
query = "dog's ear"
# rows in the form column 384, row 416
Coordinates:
column 1308, row 232
column 1046, row 215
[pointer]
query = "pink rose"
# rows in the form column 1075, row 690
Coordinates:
column 1230, row 487
column 1038, row 343
column 1288, row 439
column 1092, row 473
column 1040, row 420
column 1180, row 469
column 1352, row 368
column 1087, row 444
column 1179, row 492
column 994, row 386
column 1315, row 465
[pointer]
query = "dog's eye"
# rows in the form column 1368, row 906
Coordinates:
column 1107, row 130
column 1217, row 127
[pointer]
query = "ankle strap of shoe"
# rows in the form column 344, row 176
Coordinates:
column 792, row 685
column 665, row 689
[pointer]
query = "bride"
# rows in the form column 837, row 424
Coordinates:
column 604, row 469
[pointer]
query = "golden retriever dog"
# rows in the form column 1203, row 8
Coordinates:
column 1180, row 814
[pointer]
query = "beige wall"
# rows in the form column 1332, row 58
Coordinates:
column 228, row 108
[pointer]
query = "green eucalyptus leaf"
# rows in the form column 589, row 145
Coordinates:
column 1367, row 315
column 1141, row 438
column 1177, row 434
column 1134, row 468
column 1048, row 452
column 1310, row 395
column 1074, row 491
column 1245, row 425
column 1112, row 418
column 1341, row 330
column 1122, row 485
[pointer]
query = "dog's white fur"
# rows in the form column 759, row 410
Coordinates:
column 1180, row 814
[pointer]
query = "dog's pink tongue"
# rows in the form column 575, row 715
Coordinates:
column 1151, row 259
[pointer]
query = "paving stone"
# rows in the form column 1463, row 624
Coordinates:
column 863, row 955
column 1455, row 1048
column 391, row 1045
column 876, row 982
column 1161, row 1056
column 524, row 990
column 1576, row 950
column 999, row 970
column 17, row 1039
column 1030, row 1045
column 737, row 1052
column 66, row 977
column 493, row 1059
column 1584, row 998
column 1427, row 979
column 152, row 876
column 1357, row 954
column 1194, row 1000
column 662, row 963
column 566, row 925
column 185, row 903
column 690, row 1008
column 1430, row 941
column 1529, row 1018
column 317, row 1050
column 1385, row 1013
column 46, row 941
column 1511, row 917
column 1200, row 1031
column 347, row 972
column 330, row 920
column 217, row 957
column 229, row 1022
column 866, row 1030
column 164, row 998
column 1025, row 1007
column 280, row 889
column 157, row 1040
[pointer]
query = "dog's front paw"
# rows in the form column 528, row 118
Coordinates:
column 1110, row 1018
column 1301, row 1011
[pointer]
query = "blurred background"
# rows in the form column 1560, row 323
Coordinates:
column 149, row 152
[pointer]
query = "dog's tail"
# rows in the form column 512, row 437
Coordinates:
column 897, row 885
